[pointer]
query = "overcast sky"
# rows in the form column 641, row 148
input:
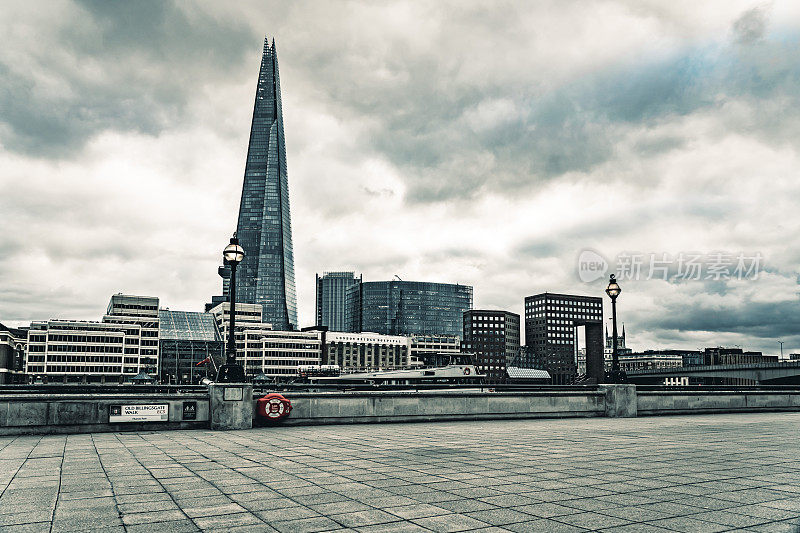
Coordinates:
column 486, row 143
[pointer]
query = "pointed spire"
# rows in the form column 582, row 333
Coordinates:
column 623, row 330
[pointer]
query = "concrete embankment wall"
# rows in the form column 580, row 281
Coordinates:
column 653, row 403
column 53, row 413
column 375, row 407
column 80, row 413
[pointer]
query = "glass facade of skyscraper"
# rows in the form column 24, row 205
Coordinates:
column 266, row 275
column 408, row 307
column 332, row 298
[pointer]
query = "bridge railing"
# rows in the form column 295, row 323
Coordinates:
column 717, row 388
column 711, row 368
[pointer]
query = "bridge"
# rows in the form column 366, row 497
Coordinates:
column 767, row 373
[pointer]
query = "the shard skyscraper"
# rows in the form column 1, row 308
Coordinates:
column 266, row 275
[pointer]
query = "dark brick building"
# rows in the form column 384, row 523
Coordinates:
column 551, row 320
column 493, row 336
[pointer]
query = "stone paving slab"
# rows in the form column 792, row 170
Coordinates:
column 689, row 474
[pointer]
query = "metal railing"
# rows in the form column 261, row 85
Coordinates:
column 67, row 389
column 84, row 389
column 430, row 387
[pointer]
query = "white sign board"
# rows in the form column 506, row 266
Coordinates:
column 232, row 394
column 139, row 413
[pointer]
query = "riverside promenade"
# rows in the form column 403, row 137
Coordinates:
column 732, row 472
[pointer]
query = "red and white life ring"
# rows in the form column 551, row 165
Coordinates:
column 274, row 407
column 466, row 371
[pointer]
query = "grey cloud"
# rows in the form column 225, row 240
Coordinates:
column 751, row 26
column 24, row 303
column 762, row 320
column 540, row 248
column 117, row 66
column 420, row 125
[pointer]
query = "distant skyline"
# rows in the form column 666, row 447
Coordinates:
column 459, row 142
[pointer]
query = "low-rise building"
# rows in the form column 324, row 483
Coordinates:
column 366, row 351
column 425, row 347
column 79, row 351
column 120, row 347
column 12, row 354
column 142, row 311
column 185, row 339
column 277, row 354
column 245, row 313
column 733, row 356
column 648, row 361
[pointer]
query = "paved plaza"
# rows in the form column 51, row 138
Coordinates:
column 693, row 474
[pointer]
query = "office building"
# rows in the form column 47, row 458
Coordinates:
column 493, row 336
column 408, row 307
column 366, row 351
column 735, row 356
column 647, row 361
column 245, row 313
column 427, row 350
column 12, row 354
column 185, row 339
column 331, row 297
column 88, row 352
column 527, row 359
column 277, row 354
column 123, row 345
column 142, row 311
column 248, row 317
column 551, row 320
column 266, row 274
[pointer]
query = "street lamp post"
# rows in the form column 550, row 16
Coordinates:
column 613, row 291
column 231, row 371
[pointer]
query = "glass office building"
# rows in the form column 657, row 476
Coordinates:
column 332, row 299
column 185, row 339
column 408, row 307
column 266, row 275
